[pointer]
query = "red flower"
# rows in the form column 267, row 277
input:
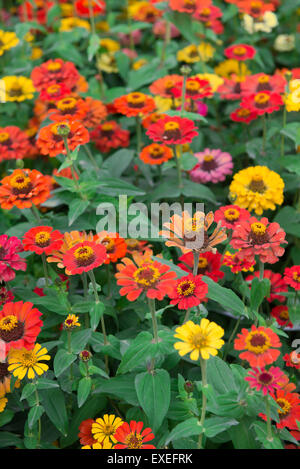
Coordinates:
column 292, row 276
column 260, row 345
column 263, row 102
column 172, row 130
column 209, row 264
column 188, row 291
column 131, row 436
column 68, row 108
column 231, row 88
column 135, row 103
column 144, row 276
column 265, row 380
column 115, row 246
column 14, row 143
column 54, row 92
column 82, row 7
column 155, row 154
column 9, row 257
column 281, row 314
column 208, row 14
column 231, row 215
column 6, row 296
column 258, row 238
column 256, row 8
column 243, row 114
column 163, row 86
column 51, row 142
column 109, row 135
column 189, row 6
column 236, row 264
column 262, row 82
column 289, row 412
column 55, row 71
column 292, row 359
column 83, row 257
column 20, row 324
column 195, row 89
column 34, row 10
column 240, row 52
column 42, row 239
column 277, row 285
column 85, row 433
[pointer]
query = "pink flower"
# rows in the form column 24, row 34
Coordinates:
column 6, row 296
column 159, row 29
column 265, row 380
column 125, row 39
column 9, row 258
column 213, row 166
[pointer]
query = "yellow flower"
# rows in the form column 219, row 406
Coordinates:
column 105, row 445
column 109, row 44
column 71, row 322
column 18, row 88
column 68, row 24
column 214, row 80
column 7, row 41
column 199, row 340
column 29, row 37
column 292, row 101
column 103, row 430
column 230, row 67
column 22, row 362
column 66, row 9
column 36, row 53
column 165, row 104
column 206, row 51
column 257, row 188
column 189, row 54
column 102, row 26
column 139, row 63
column 265, row 23
column 3, row 402
column 107, row 63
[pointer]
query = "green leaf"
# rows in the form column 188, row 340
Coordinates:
column 34, row 415
column 93, row 47
column 289, row 219
column 291, row 163
column 6, row 417
column 77, row 208
column 225, row 297
column 154, row 394
column 46, row 384
column 8, row 439
column 138, row 352
column 215, row 425
column 292, row 131
column 84, row 389
column 193, row 116
column 54, row 404
column 63, row 359
column 185, row 429
column 261, row 431
column 242, row 435
column 188, row 161
column 120, row 386
column 115, row 186
column 27, row 391
column 198, row 191
column 118, row 162
column 79, row 340
column 259, row 291
column 220, row 376
column 96, row 313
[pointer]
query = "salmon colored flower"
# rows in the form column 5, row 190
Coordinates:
column 156, row 154
column 259, row 238
column 24, row 188
column 14, row 143
column 265, row 380
column 96, row 112
column 135, row 246
column 142, row 275
column 277, row 285
column 163, row 86
column 144, row 11
column 172, row 130
column 20, row 324
column 135, row 103
column 109, row 135
column 42, row 239
column 262, row 82
column 231, row 215
column 131, row 436
column 51, row 142
column 115, row 246
column 209, row 264
column 83, row 10
column 9, row 257
column 260, row 344
column 85, row 432
column 188, row 292
column 281, row 314
column 208, row 14
column 84, row 257
column 231, row 88
column 55, row 71
column 240, row 52
column 292, row 277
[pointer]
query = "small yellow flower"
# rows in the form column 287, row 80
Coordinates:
column 214, row 80
column 109, row 44
column 36, row 53
column 71, row 322
column 102, row 26
column 22, row 362
column 230, row 67
column 103, row 429
column 18, row 88
column 7, row 41
column 105, row 445
column 257, row 188
column 139, row 64
column 68, row 24
column 206, row 51
column 199, row 340
column 107, row 63
column 67, row 9
column 189, row 54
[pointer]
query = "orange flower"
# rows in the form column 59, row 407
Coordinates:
column 68, row 108
column 156, row 154
column 54, row 92
column 24, row 188
column 14, row 143
column 134, row 104
column 109, row 135
column 134, row 246
column 95, row 114
column 151, row 119
column 163, row 86
column 51, row 142
column 189, row 6
column 114, row 244
column 260, row 345
column 54, row 71
column 191, row 233
column 84, row 257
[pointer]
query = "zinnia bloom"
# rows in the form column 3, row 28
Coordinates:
column 96, row 112
column 277, row 285
column 188, row 291
column 231, row 215
column 20, row 324
column 14, row 143
column 25, row 362
column 263, row 82
column 243, row 114
column 104, row 429
column 71, row 322
column 115, row 246
column 142, row 275
column 84, row 256
column 131, row 436
column 201, row 340
column 83, row 10
column 55, row 71
column 292, row 277
column 172, row 130
column 209, row 264
column 42, row 239
column 256, row 8
column 163, row 86
column 257, row 188
column 195, row 89
column 109, row 135
column 189, row 6
column 18, row 88
column 213, row 166
column 265, row 380
column 7, row 41
column 5, row 296
column 289, row 412
column 292, row 359
column 156, row 154
column 51, row 142
column 9, row 257
column 240, row 52
column 260, row 344
column 133, row 104
column 263, row 102
column 24, row 188
column 85, row 433
column 236, row 264
column 69, row 108
column 5, row 379
column 281, row 314
column 54, row 92
column 259, row 238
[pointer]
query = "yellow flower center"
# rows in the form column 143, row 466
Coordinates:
column 20, row 182
column 192, row 85
column 53, row 89
column 134, row 440
column 193, row 224
column 208, row 157
column 4, row 136
column 257, row 342
column 243, row 112
column 147, row 275
column 284, row 315
column 169, row 84
column 186, row 288
column 29, row 359
column 84, row 254
column 262, row 98
column 66, row 104
column 170, row 126
column 54, row 66
column 258, row 228
column 156, row 151
column 107, row 127
column 296, row 277
column 239, row 50
column 199, row 340
column 42, row 238
column 8, row 323
column 264, row 79
column 205, row 12
column 202, row 264
column 231, row 214
column 136, row 98
column 285, row 406
column 109, row 244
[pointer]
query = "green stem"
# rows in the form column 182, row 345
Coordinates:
column 91, row 15
column 166, row 42
column 85, row 292
column 231, row 337
column 204, row 399
column 178, row 166
column 151, row 303
column 264, row 133
column 93, row 280
column 261, row 271
column 138, row 135
column 70, row 351
column 36, row 213
column 183, row 94
column 269, row 425
column 91, row 157
column 196, row 255
column 45, row 269
column 72, row 168
column 282, row 136
column 39, row 421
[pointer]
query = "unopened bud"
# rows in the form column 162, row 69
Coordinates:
column 189, row 387
column 85, row 355
column 185, row 70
